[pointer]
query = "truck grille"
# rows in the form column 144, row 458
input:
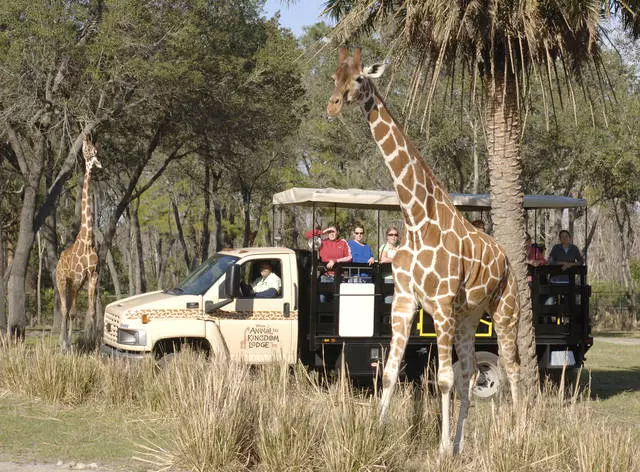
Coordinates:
column 111, row 323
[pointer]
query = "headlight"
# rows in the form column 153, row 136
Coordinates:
column 133, row 337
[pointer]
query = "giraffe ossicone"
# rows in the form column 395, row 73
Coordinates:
column 451, row 269
column 79, row 262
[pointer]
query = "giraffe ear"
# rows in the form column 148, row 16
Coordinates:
column 374, row 71
column 342, row 55
column 357, row 59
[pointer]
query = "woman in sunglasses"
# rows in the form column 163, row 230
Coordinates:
column 360, row 250
column 389, row 249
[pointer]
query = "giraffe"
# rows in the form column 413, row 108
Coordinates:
column 444, row 264
column 79, row 261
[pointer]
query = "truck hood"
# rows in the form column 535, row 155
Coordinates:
column 154, row 301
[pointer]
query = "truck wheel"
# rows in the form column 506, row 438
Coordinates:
column 166, row 360
column 488, row 381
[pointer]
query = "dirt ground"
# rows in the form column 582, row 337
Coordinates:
column 49, row 467
column 612, row 340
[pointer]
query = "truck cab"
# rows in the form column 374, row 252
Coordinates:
column 212, row 310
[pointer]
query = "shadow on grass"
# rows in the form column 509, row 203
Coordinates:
column 608, row 383
column 634, row 333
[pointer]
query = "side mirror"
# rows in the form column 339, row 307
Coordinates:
column 230, row 288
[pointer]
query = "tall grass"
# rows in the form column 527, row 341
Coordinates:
column 224, row 416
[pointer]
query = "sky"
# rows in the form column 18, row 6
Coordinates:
column 294, row 17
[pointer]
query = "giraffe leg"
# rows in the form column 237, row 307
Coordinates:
column 465, row 349
column 443, row 325
column 402, row 311
column 505, row 311
column 90, row 319
column 61, row 283
column 71, row 316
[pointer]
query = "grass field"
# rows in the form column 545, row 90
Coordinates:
column 615, row 380
column 199, row 416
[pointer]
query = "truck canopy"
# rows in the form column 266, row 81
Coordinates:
column 388, row 200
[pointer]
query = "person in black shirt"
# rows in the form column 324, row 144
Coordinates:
column 565, row 254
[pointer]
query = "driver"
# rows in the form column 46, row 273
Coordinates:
column 268, row 285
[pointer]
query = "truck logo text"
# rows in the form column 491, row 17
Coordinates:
column 260, row 337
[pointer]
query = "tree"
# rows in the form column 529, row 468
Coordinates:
column 140, row 77
column 505, row 45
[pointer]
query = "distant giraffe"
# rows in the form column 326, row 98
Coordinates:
column 444, row 264
column 79, row 261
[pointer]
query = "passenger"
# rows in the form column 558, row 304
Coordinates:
column 334, row 249
column 268, row 285
column 534, row 254
column 360, row 251
column 479, row 224
column 565, row 254
column 389, row 249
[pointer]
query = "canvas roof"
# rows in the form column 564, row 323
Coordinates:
column 388, row 200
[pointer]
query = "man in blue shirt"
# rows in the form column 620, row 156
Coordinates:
column 360, row 251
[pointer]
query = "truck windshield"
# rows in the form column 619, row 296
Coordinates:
column 205, row 276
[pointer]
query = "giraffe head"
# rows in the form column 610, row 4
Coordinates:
column 352, row 84
column 90, row 154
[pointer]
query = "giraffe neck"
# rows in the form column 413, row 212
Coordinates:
column 86, row 223
column 418, row 190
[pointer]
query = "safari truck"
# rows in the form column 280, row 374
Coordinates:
column 329, row 322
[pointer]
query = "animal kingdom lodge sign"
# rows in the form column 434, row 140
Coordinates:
column 260, row 337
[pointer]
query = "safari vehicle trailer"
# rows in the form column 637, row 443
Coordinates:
column 325, row 325
column 352, row 327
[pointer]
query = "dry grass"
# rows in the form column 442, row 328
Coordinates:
column 230, row 417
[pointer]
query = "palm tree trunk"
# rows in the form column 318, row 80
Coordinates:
column 507, row 200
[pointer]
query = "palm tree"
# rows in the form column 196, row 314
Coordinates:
column 504, row 45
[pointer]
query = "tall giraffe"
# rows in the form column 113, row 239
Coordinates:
column 444, row 264
column 79, row 261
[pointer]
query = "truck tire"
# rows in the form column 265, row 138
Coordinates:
column 166, row 360
column 489, row 379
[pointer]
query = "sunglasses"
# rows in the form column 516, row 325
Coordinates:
column 358, row 232
column 392, row 234
column 330, row 231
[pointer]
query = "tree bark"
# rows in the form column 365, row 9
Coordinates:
column 3, row 288
column 217, row 216
column 623, row 221
column 136, row 236
column 507, row 200
column 206, row 214
column 17, row 316
column 183, row 242
column 49, row 235
column 246, row 209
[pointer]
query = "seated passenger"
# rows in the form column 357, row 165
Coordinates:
column 360, row 251
column 534, row 254
column 479, row 224
column 268, row 285
column 389, row 249
column 334, row 249
column 565, row 254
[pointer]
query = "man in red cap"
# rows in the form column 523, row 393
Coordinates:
column 334, row 249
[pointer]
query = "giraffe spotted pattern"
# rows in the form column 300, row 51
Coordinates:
column 79, row 262
column 444, row 264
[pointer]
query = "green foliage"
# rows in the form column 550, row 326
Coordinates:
column 635, row 271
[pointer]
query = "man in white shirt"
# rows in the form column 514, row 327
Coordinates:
column 268, row 285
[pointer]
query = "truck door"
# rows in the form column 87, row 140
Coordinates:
column 260, row 325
